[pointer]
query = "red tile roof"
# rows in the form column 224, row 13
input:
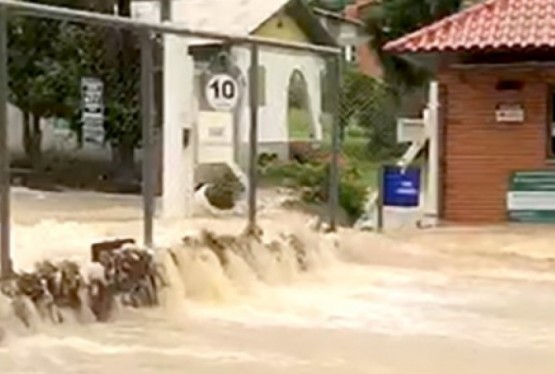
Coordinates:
column 495, row 25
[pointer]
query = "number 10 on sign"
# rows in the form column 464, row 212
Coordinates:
column 222, row 92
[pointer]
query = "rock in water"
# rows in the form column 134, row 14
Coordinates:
column 224, row 191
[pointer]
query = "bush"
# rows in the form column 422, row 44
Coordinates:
column 224, row 191
column 312, row 179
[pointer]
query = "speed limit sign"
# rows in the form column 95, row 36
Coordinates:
column 222, row 92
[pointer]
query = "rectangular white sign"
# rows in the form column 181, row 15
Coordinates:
column 531, row 200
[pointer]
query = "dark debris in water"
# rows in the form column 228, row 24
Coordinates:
column 120, row 271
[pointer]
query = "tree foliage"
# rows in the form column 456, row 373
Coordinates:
column 391, row 19
column 40, row 83
column 48, row 58
column 374, row 104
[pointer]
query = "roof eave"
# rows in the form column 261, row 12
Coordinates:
column 309, row 22
column 472, row 49
column 337, row 16
column 397, row 44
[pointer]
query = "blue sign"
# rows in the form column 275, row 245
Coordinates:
column 401, row 188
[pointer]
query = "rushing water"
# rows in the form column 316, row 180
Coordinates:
column 445, row 301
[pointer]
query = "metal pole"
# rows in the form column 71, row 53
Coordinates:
column 5, row 259
column 66, row 14
column 147, row 116
column 335, row 76
column 253, row 135
column 380, row 203
column 165, row 10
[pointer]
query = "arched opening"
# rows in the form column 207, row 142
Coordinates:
column 299, row 118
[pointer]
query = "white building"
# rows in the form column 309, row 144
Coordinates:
column 223, row 137
column 289, row 20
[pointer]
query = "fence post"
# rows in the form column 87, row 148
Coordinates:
column 165, row 10
column 253, row 136
column 380, row 202
column 147, row 117
column 5, row 259
column 335, row 141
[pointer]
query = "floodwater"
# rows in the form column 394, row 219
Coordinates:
column 451, row 301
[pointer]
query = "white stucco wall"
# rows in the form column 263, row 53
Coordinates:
column 280, row 64
column 273, row 130
column 53, row 141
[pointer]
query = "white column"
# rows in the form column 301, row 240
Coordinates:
column 178, row 158
column 432, row 124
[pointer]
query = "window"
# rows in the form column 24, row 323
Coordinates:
column 350, row 53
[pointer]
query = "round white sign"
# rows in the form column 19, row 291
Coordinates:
column 222, row 92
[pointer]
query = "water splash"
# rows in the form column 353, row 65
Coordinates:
column 205, row 268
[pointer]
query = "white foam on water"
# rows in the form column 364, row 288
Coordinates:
column 89, row 347
column 353, row 282
column 264, row 287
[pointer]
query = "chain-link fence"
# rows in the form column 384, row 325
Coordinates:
column 92, row 98
column 367, row 114
column 370, row 109
column 73, row 134
column 302, row 160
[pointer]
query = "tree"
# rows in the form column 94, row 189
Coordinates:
column 374, row 104
column 47, row 60
column 391, row 19
column 123, row 110
column 113, row 55
column 39, row 84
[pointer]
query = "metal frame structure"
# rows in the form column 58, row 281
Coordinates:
column 146, row 30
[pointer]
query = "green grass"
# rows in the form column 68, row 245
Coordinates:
column 311, row 178
column 299, row 124
column 353, row 148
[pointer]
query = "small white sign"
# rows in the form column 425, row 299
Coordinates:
column 216, row 132
column 509, row 113
column 222, row 92
column 93, row 131
column 92, row 96
column 531, row 200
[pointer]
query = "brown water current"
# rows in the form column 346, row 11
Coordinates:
column 451, row 301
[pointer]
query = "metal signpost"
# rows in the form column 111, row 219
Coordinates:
column 531, row 197
column 148, row 119
column 335, row 142
column 5, row 259
column 253, row 137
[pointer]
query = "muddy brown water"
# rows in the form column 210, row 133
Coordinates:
column 430, row 302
